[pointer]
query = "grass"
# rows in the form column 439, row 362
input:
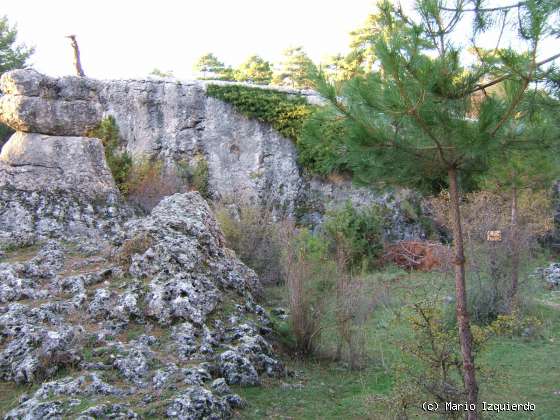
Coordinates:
column 10, row 394
column 516, row 370
column 322, row 391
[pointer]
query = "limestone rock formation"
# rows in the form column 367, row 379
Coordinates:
column 155, row 324
column 176, row 122
column 50, row 186
column 39, row 104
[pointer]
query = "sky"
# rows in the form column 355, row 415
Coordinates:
column 128, row 39
column 123, row 38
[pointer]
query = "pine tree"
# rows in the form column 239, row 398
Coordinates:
column 293, row 69
column 255, row 70
column 421, row 116
column 210, row 67
column 12, row 55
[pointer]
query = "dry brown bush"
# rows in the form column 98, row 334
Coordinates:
column 148, row 182
column 254, row 235
column 419, row 255
column 308, row 281
column 494, row 278
column 354, row 304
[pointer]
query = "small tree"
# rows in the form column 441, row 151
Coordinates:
column 255, row 70
column 12, row 56
column 211, row 68
column 159, row 73
column 293, row 69
column 414, row 117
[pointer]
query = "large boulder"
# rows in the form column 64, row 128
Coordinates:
column 52, row 186
column 36, row 162
column 62, row 107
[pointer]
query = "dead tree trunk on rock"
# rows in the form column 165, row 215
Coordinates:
column 77, row 62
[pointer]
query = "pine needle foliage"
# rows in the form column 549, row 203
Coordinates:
column 421, row 114
column 412, row 120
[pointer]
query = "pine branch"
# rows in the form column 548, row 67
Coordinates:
column 507, row 76
column 490, row 9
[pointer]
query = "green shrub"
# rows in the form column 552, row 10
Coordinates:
column 5, row 134
column 321, row 148
column 430, row 369
column 119, row 163
column 360, row 231
column 286, row 113
column 196, row 176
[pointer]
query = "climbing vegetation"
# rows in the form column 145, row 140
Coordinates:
column 120, row 163
column 286, row 113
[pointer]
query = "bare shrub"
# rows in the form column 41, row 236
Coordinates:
column 309, row 280
column 149, row 180
column 492, row 290
column 148, row 183
column 254, row 236
column 354, row 305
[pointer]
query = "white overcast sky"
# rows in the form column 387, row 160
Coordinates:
column 126, row 38
column 123, row 38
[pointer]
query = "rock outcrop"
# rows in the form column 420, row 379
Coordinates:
column 50, row 186
column 176, row 122
column 171, row 121
column 155, row 324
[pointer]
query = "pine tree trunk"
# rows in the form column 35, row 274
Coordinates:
column 514, row 251
column 465, row 336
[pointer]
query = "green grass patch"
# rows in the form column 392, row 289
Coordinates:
column 515, row 369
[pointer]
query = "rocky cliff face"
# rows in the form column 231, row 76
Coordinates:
column 171, row 121
column 176, row 122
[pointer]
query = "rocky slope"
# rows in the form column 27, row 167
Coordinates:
column 155, row 323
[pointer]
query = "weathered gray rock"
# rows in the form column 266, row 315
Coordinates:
column 110, row 326
column 185, row 259
column 36, row 162
column 40, row 104
column 237, row 369
column 108, row 411
column 134, row 364
column 176, row 122
column 53, row 116
column 38, row 352
column 198, row 403
column 55, row 186
column 550, row 274
column 36, row 410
